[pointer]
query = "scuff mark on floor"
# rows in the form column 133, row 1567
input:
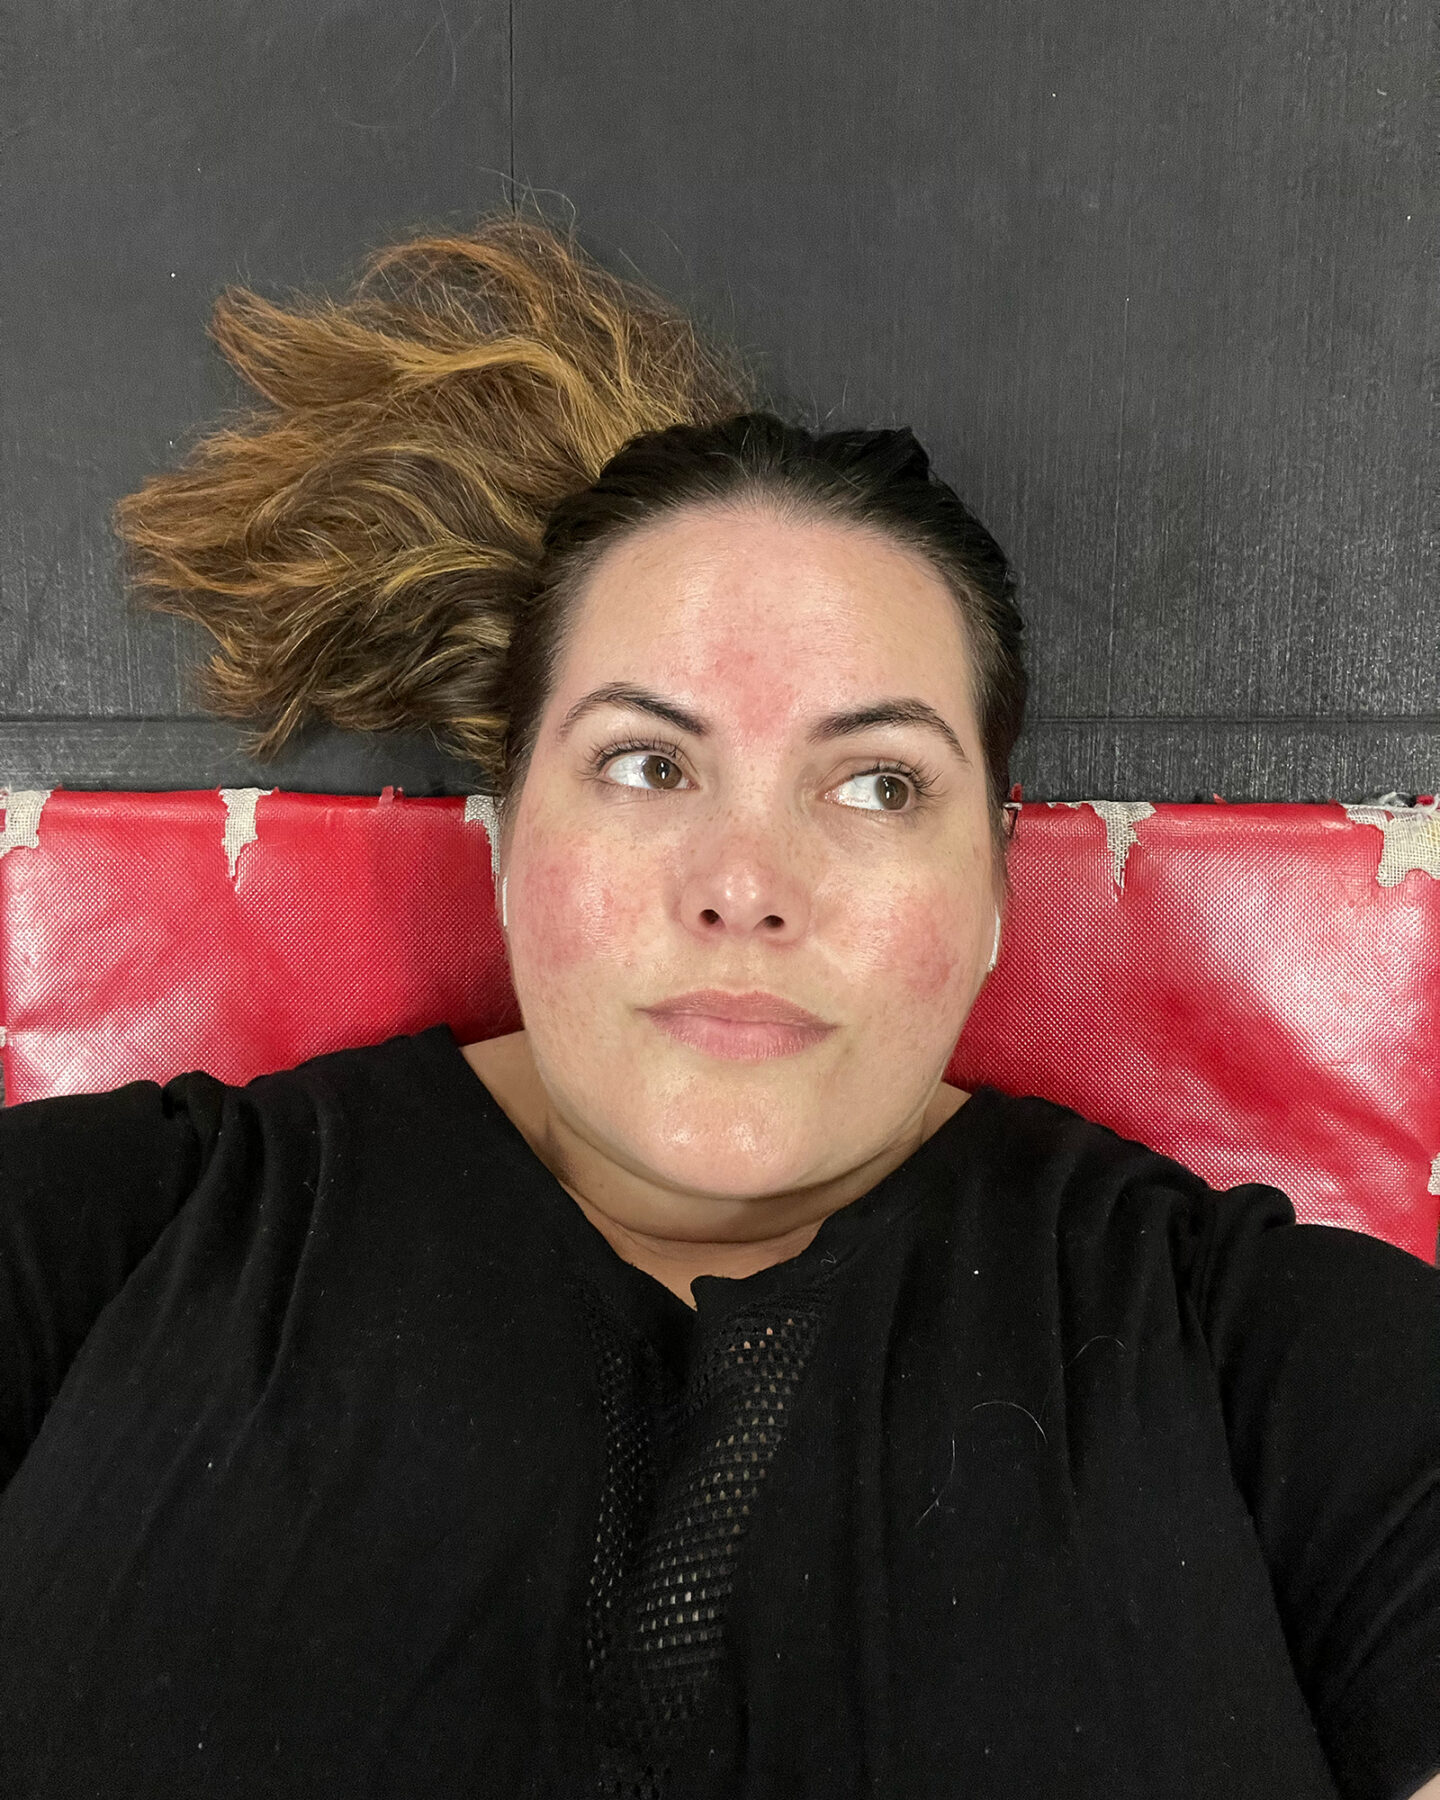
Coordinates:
column 240, row 820
column 1120, row 818
column 23, row 807
column 1411, row 836
column 480, row 809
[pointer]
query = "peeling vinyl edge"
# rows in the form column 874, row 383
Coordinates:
column 480, row 809
column 23, row 807
column 1120, row 818
column 240, row 820
column 1410, row 836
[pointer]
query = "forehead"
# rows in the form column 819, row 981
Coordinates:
column 766, row 617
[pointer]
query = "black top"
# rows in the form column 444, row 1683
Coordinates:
column 347, row 1458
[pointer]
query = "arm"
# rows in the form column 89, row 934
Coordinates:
column 87, row 1184
column 1327, row 1351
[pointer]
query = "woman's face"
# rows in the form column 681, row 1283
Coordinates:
column 751, row 848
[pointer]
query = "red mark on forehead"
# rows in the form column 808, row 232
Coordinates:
column 750, row 687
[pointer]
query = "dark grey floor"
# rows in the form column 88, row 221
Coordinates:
column 1156, row 286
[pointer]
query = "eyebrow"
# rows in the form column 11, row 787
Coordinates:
column 822, row 730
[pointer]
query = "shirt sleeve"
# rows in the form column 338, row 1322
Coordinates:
column 1327, row 1348
column 87, row 1184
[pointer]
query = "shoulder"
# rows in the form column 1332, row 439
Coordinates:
column 187, row 1118
column 397, row 1081
column 1087, row 1182
column 1247, row 1266
column 397, row 1064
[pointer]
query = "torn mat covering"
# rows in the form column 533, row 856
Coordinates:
column 1248, row 988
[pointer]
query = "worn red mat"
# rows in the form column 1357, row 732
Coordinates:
column 1250, row 988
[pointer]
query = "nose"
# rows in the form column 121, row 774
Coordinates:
column 743, row 888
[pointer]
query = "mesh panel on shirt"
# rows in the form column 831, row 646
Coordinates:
column 684, row 1470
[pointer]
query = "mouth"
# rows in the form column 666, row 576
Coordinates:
column 754, row 1008
column 738, row 1027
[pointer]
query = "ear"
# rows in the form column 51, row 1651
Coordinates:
column 1012, row 818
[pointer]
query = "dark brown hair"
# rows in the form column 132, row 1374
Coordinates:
column 398, row 537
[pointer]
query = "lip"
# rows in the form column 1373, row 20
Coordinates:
column 739, row 1027
column 754, row 1008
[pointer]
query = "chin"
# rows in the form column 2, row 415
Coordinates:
column 738, row 1179
column 739, row 1146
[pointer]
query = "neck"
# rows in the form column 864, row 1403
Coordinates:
column 675, row 1262
column 637, row 1225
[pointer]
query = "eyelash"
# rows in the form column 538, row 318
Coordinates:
column 922, row 783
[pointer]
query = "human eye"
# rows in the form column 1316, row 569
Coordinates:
column 890, row 779
column 631, row 759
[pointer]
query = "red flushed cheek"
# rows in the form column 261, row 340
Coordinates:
column 570, row 908
column 919, row 945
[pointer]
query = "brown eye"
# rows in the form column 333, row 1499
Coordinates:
column 666, row 774
column 889, row 789
column 637, row 767
column 892, row 791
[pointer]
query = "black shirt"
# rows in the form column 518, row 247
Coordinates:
column 345, row 1457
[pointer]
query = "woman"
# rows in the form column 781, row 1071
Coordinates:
column 690, row 1394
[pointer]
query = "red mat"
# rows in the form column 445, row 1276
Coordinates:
column 1252, row 989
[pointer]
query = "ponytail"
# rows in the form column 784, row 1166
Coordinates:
column 361, row 545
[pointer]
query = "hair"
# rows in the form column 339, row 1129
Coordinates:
column 398, row 537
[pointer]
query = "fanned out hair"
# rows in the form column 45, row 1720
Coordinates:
column 397, row 539
column 361, row 547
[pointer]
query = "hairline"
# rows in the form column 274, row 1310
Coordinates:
column 769, row 494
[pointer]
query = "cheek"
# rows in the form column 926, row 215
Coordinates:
column 920, row 946
column 573, row 905
column 930, row 952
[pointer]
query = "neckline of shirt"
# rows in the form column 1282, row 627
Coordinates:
column 838, row 1238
